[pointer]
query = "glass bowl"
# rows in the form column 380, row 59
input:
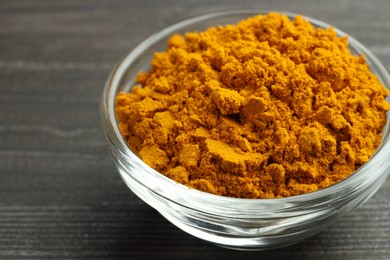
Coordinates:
column 246, row 224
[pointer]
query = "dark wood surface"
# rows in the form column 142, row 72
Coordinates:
column 60, row 195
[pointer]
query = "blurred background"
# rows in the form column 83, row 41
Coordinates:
column 60, row 195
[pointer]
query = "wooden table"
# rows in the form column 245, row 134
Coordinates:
column 60, row 195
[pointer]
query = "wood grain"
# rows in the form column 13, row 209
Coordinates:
column 60, row 196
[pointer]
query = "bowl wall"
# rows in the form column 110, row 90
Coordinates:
column 230, row 222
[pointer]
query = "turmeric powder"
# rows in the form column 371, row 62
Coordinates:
column 267, row 108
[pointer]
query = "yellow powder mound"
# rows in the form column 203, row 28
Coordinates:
column 266, row 108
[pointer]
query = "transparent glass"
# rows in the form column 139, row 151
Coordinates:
column 246, row 224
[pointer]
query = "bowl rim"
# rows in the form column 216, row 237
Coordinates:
column 109, row 122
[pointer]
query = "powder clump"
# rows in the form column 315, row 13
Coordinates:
column 266, row 108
